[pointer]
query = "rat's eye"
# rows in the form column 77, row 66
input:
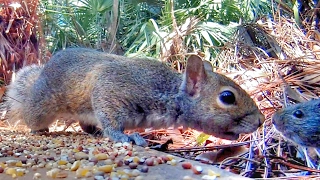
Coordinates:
column 227, row 97
column 298, row 114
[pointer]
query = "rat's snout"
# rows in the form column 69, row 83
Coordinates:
column 277, row 119
column 274, row 119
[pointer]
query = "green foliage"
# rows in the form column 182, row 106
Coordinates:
column 216, row 24
column 147, row 27
column 75, row 23
column 134, row 22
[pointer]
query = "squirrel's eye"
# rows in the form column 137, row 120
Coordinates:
column 298, row 114
column 227, row 97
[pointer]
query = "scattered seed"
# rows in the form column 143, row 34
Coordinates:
column 106, row 168
column 82, row 172
column 197, row 169
column 75, row 166
column 53, row 173
column 62, row 162
column 144, row 169
column 125, row 177
column 207, row 177
column 187, row 178
column 135, row 173
column 81, row 155
column 11, row 171
column 23, row 160
column 128, row 161
column 34, row 168
column 37, row 176
column 170, row 157
column 186, row 165
column 139, row 178
column 159, row 160
column 49, row 165
column 11, row 162
column 94, row 158
column 10, row 153
column 20, row 172
column 129, row 153
column 80, row 148
column 212, row 173
column 142, row 160
column 99, row 178
column 133, row 165
column 119, row 163
column 108, row 162
column 112, row 157
column 173, row 162
column 117, row 145
column 150, row 162
column 101, row 156
column 135, row 159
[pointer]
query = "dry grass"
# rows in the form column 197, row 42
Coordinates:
column 21, row 39
column 276, row 62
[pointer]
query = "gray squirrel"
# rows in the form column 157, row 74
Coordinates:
column 300, row 123
column 109, row 93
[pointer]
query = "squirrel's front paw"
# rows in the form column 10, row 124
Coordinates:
column 138, row 140
column 41, row 131
column 118, row 136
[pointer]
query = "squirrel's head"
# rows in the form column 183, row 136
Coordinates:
column 219, row 106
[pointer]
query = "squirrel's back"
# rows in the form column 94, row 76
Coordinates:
column 64, row 87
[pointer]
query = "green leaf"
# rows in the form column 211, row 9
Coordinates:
column 202, row 138
column 206, row 36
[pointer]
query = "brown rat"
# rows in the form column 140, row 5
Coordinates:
column 300, row 123
column 115, row 93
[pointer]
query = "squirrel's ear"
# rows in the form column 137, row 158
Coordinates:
column 207, row 66
column 194, row 75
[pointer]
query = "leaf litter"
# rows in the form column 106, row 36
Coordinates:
column 278, row 64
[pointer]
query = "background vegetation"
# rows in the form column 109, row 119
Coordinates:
column 271, row 48
column 168, row 30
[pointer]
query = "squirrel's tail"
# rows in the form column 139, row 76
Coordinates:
column 19, row 91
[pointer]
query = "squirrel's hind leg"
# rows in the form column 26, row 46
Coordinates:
column 39, row 131
column 114, row 129
column 91, row 129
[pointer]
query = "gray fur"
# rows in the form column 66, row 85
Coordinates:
column 117, row 93
column 303, row 129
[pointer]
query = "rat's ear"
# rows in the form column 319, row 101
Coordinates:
column 318, row 104
column 194, row 76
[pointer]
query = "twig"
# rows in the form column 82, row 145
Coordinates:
column 295, row 166
column 208, row 148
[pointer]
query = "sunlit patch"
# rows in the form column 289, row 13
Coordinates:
column 15, row 5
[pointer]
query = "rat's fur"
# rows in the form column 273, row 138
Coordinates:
column 300, row 123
